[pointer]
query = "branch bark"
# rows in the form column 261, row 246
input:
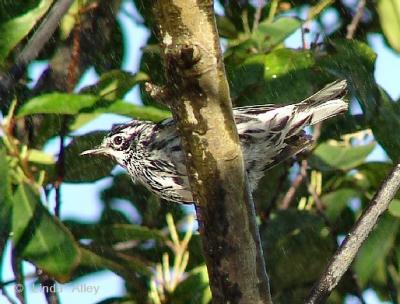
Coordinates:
column 202, row 109
column 344, row 256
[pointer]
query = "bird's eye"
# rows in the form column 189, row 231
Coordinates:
column 117, row 140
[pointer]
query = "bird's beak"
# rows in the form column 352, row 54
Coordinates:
column 98, row 150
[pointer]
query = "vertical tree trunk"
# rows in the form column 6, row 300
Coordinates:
column 201, row 105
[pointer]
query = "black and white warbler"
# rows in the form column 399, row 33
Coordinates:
column 152, row 154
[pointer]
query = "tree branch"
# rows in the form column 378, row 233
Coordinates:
column 34, row 46
column 352, row 27
column 291, row 193
column 202, row 110
column 257, row 14
column 344, row 256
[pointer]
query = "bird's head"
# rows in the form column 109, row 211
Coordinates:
column 119, row 143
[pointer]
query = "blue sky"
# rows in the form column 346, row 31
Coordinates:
column 83, row 202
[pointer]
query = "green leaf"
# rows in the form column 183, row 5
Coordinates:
column 376, row 248
column 328, row 156
column 225, row 27
column 138, row 112
column 291, row 238
column 113, row 233
column 86, row 168
column 374, row 173
column 62, row 103
column 389, row 16
column 266, row 37
column 336, row 201
column 5, row 203
column 394, row 208
column 69, row 20
column 45, row 129
column 14, row 30
column 123, row 108
column 341, row 125
column 271, row 34
column 40, row 157
column 41, row 238
column 57, row 103
column 133, row 270
column 355, row 61
column 264, row 78
column 122, row 264
column 5, row 191
column 384, row 120
column 115, row 84
column 194, row 289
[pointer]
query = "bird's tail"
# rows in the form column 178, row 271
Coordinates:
column 325, row 103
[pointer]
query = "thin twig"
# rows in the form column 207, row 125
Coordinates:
column 47, row 281
column 19, row 278
column 272, row 10
column 34, row 46
column 71, row 80
column 60, row 170
column 318, row 204
column 356, row 284
column 291, row 193
column 14, row 281
column 314, row 195
column 352, row 27
column 264, row 214
column 47, row 284
column 344, row 256
column 257, row 14
column 7, row 296
column 304, row 31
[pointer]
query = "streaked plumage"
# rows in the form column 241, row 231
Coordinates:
column 269, row 134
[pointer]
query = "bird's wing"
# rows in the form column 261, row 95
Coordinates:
column 271, row 134
column 167, row 165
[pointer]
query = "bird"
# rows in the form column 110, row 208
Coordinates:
column 269, row 134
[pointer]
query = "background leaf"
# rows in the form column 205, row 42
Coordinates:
column 40, row 238
column 14, row 30
column 375, row 248
column 333, row 156
column 389, row 16
column 194, row 289
column 5, row 204
column 57, row 103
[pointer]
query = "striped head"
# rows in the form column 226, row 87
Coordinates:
column 121, row 143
